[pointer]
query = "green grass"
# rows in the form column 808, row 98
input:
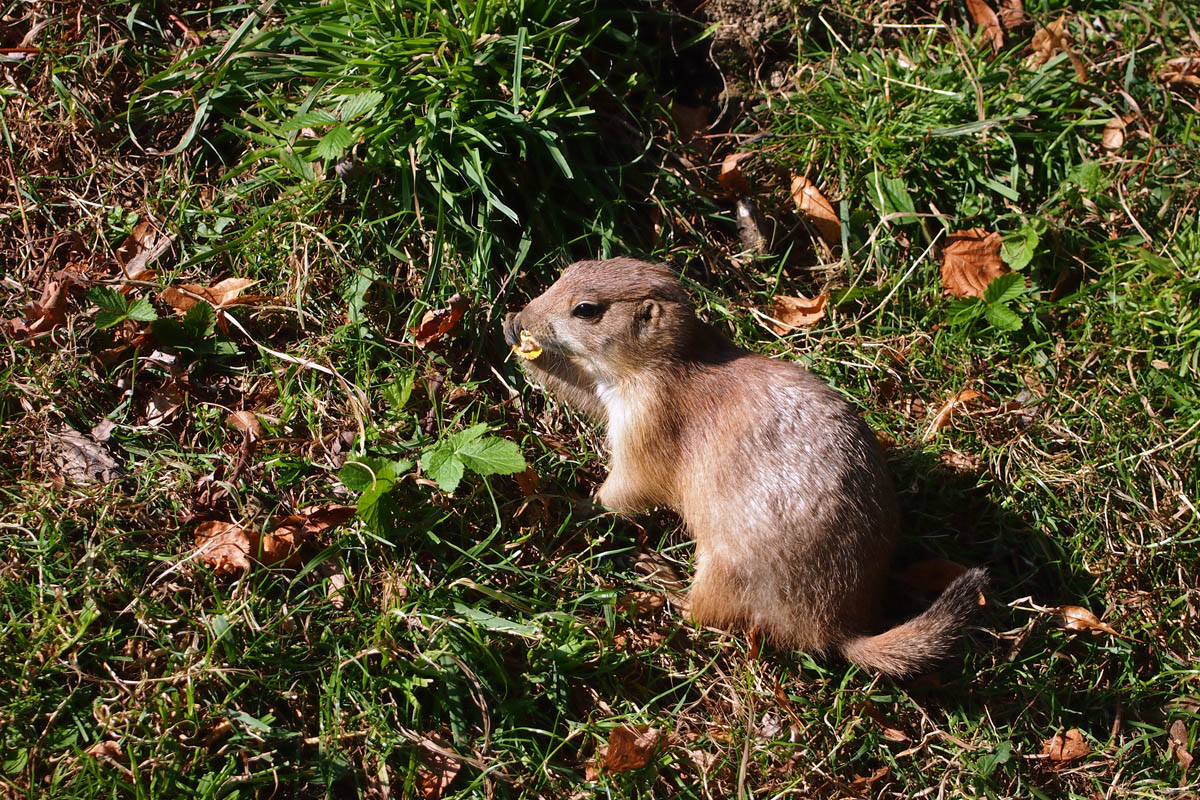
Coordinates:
column 365, row 162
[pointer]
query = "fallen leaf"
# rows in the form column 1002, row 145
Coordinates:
column 1012, row 14
column 816, row 209
column 225, row 546
column 970, row 261
column 790, row 313
column 108, row 752
column 1048, row 41
column 217, row 733
column 332, row 571
column 731, row 177
column 1113, row 137
column 164, row 402
column 226, row 294
column 102, row 432
column 1066, row 747
column 944, row 414
column 864, row 783
column 1077, row 618
column 886, row 726
column 140, row 250
column 437, row 769
column 48, row 313
column 987, row 21
column 81, row 459
column 1181, row 71
column 1178, row 738
column 438, row 322
column 631, row 747
column 247, row 422
column 637, row 604
column 289, row 533
column 691, row 121
column 528, row 481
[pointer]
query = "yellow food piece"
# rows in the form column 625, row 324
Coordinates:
column 528, row 348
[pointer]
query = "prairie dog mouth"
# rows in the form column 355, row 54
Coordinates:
column 527, row 347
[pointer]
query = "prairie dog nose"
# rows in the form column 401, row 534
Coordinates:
column 512, row 330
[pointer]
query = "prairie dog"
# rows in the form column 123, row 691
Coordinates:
column 782, row 486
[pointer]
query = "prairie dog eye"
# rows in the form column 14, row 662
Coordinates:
column 587, row 310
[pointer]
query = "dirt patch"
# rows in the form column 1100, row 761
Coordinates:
column 751, row 44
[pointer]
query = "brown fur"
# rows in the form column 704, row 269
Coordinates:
column 782, row 486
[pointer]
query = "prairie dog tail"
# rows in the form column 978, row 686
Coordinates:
column 924, row 639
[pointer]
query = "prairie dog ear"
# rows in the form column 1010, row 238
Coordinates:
column 647, row 316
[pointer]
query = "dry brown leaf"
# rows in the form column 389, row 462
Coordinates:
column 110, row 753
column 164, row 402
column 1048, row 41
column 1178, row 737
column 637, row 604
column 43, row 316
column 332, row 571
column 436, row 770
column 217, row 733
column 79, row 458
column 970, row 261
column 790, row 313
column 438, row 322
column 1113, row 138
column 731, row 177
column 987, row 21
column 1012, row 14
column 247, row 422
column 289, row 533
column 141, row 248
column 864, row 783
column 631, row 747
column 944, row 414
column 528, row 481
column 225, row 546
column 816, row 209
column 691, row 121
column 1066, row 747
column 1181, row 71
column 226, row 294
column 1078, row 618
column 888, row 728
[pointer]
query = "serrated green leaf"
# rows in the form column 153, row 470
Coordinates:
column 398, row 392
column 443, row 465
column 1004, row 288
column 492, row 456
column 108, row 299
column 356, row 105
column 356, row 476
column 142, row 311
column 333, row 144
column 464, row 437
column 309, row 119
column 200, row 320
column 1001, row 317
column 107, row 319
column 365, row 473
column 1018, row 248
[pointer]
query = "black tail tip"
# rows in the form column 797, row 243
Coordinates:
column 967, row 590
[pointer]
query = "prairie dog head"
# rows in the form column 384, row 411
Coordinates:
column 611, row 318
